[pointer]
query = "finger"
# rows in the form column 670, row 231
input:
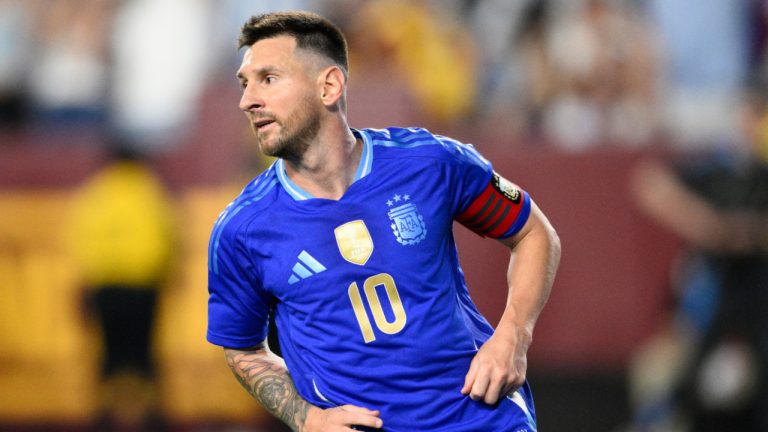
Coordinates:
column 493, row 392
column 516, row 384
column 480, row 386
column 363, row 420
column 360, row 410
column 469, row 379
column 513, row 386
column 518, row 379
column 359, row 416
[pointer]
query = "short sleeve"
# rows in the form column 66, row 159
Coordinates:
column 468, row 173
column 238, row 307
column 484, row 201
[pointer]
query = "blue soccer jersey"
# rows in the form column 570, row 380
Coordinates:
column 368, row 295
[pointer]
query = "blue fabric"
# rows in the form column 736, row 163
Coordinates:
column 387, row 242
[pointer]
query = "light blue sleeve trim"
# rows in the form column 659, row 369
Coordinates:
column 522, row 218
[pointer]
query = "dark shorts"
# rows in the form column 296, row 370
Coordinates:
column 127, row 317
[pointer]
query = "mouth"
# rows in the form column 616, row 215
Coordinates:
column 262, row 124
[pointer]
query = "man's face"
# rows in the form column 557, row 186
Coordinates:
column 279, row 97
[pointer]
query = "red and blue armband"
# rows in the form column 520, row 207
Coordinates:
column 499, row 211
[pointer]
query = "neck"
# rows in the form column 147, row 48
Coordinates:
column 327, row 168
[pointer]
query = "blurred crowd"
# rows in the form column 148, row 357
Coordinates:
column 564, row 73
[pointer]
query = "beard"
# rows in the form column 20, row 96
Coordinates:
column 295, row 133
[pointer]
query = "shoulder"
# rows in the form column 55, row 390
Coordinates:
column 419, row 142
column 249, row 205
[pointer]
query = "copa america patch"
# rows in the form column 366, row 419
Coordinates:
column 506, row 188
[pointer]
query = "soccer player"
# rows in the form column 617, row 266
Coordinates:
column 347, row 239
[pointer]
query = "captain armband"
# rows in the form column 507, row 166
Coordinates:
column 499, row 211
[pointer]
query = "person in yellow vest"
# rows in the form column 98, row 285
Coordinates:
column 121, row 238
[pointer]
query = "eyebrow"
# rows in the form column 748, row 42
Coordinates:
column 264, row 70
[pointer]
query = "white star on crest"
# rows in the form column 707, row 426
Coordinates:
column 397, row 198
column 389, row 203
column 406, row 197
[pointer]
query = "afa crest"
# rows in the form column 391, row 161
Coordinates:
column 407, row 223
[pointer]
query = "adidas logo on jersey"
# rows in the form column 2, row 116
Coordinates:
column 306, row 267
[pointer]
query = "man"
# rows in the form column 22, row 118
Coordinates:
column 347, row 239
column 716, row 202
column 120, row 234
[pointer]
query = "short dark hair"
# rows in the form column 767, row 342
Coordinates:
column 312, row 32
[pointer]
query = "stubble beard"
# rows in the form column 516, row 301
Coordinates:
column 295, row 134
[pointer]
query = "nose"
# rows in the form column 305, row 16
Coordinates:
column 250, row 100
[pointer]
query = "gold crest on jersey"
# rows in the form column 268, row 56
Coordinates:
column 354, row 241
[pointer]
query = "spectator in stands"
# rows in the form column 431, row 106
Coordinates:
column 705, row 64
column 603, row 75
column 577, row 73
column 121, row 238
column 16, row 20
column 508, row 35
column 430, row 51
column 69, row 80
column 159, row 71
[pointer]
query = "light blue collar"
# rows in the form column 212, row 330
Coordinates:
column 363, row 169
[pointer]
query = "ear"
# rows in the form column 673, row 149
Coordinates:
column 332, row 85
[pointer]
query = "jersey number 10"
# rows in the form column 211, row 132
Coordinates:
column 377, row 310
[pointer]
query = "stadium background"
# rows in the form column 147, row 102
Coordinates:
column 565, row 97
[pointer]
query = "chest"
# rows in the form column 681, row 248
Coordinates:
column 312, row 252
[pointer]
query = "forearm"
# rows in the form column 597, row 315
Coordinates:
column 530, row 275
column 664, row 197
column 266, row 378
column 500, row 365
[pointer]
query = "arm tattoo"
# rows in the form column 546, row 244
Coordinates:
column 270, row 384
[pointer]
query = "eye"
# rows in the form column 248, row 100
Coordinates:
column 270, row 79
column 243, row 84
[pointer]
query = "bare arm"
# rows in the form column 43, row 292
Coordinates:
column 500, row 365
column 265, row 376
column 665, row 198
column 535, row 256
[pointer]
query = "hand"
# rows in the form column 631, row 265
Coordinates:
column 498, row 368
column 341, row 419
